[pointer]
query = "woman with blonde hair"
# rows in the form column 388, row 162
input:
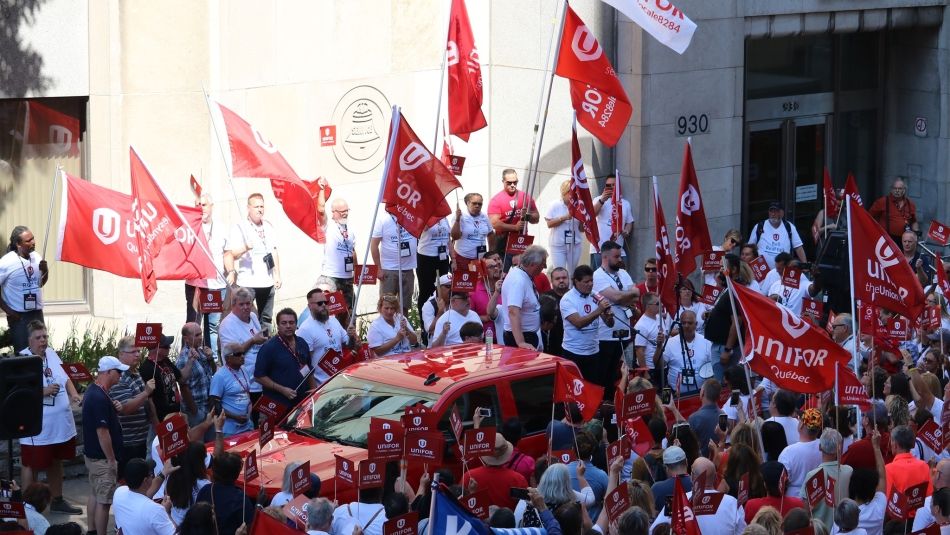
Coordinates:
column 641, row 496
column 564, row 239
column 770, row 519
column 390, row 333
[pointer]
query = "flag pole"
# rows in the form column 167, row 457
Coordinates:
column 393, row 134
column 49, row 211
column 224, row 156
column 743, row 360
column 854, row 316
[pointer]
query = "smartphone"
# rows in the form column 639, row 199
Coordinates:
column 852, row 417
column 519, row 493
column 484, row 412
column 723, row 422
column 734, row 400
column 666, row 395
column 266, row 332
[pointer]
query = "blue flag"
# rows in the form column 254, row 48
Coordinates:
column 448, row 518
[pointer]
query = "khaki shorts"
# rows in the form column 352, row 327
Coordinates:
column 102, row 479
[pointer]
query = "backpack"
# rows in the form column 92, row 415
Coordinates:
column 760, row 228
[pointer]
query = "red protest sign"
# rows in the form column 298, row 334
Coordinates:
column 385, row 445
column 270, row 408
column 456, row 164
column 830, row 491
column 932, row 435
column 336, row 303
column 385, row 424
column 365, row 274
column 517, row 243
column 897, row 504
column 300, row 479
column 172, row 436
column 345, row 471
column 639, row 403
column 148, row 334
column 328, row 135
column 931, row 319
column 563, row 456
column 480, row 441
column 712, row 261
column 296, row 509
column 12, row 510
column 371, row 474
column 939, row 232
column 426, row 447
column 792, row 277
column 455, row 421
column 477, row 503
column 463, row 280
column 708, row 504
column 710, row 294
column 915, row 495
column 210, row 301
column 617, row 502
column 760, row 268
column 77, row 371
column 406, row 524
column 266, row 432
column 420, row 422
column 250, row 466
column 362, row 353
column 897, row 328
column 813, row 306
column 815, row 489
column 332, row 362
column 618, row 448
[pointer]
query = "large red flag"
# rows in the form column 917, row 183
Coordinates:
column 682, row 519
column 851, row 188
column 264, row 524
column 616, row 208
column 597, row 95
column 416, row 181
column 582, row 207
column 692, row 233
column 832, row 203
column 49, row 132
column 665, row 263
column 569, row 386
column 793, row 353
column 97, row 231
column 465, row 75
column 155, row 220
column 850, row 389
column 253, row 156
column 942, row 281
column 882, row 276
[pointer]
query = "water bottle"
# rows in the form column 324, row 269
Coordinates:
column 489, row 340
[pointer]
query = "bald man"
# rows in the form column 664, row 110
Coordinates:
column 339, row 253
column 895, row 212
column 729, row 518
column 940, row 479
column 196, row 362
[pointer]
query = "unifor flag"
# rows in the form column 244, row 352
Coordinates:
column 882, row 275
column 254, row 156
column 465, row 75
column 682, row 519
column 850, row 389
column 97, row 231
column 942, row 281
column 155, row 220
column 661, row 19
column 665, row 263
column 616, row 208
column 851, row 188
column 692, row 232
column 49, row 133
column 581, row 205
column 570, row 387
column 597, row 95
column 832, row 202
column 416, row 182
column 791, row 352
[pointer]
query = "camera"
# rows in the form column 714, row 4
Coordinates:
column 269, row 261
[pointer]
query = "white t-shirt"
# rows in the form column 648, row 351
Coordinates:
column 456, row 321
column 603, row 220
column 799, row 459
column 435, row 239
column 775, row 240
column 871, row 515
column 251, row 269
column 731, row 412
column 58, row 422
column 699, row 309
column 350, row 514
column 338, row 255
column 791, row 297
column 234, row 331
column 475, row 231
column 618, row 281
column 789, row 423
column 19, row 277
column 320, row 337
column 518, row 291
column 646, row 330
column 281, row 498
column 728, row 519
column 581, row 341
column 673, row 357
column 565, row 233
column 428, row 312
column 381, row 332
column 771, row 278
column 217, row 245
column 396, row 245
column 136, row 514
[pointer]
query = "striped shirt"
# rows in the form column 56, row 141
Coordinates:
column 135, row 425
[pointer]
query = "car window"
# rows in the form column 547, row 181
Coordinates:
column 467, row 402
column 533, row 401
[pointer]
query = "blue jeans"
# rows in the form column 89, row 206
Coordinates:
column 718, row 368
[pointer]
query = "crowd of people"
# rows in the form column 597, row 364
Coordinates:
column 753, row 443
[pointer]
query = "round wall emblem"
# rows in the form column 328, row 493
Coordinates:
column 362, row 117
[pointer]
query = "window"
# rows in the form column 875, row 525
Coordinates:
column 486, row 397
column 533, row 399
column 36, row 136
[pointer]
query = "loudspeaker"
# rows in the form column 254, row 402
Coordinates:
column 833, row 272
column 21, row 397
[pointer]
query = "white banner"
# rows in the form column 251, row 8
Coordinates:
column 661, row 19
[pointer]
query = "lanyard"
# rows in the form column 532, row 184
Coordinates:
column 291, row 351
column 244, row 385
column 27, row 268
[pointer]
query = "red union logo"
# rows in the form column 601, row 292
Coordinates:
column 332, row 298
column 915, row 492
column 271, row 405
column 372, row 468
column 640, row 398
column 884, row 253
column 210, row 297
column 401, row 523
column 480, row 436
column 472, row 502
column 689, row 202
column 585, row 45
column 706, row 499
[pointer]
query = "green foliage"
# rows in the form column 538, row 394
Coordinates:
column 87, row 345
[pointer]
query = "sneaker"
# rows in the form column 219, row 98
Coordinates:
column 60, row 505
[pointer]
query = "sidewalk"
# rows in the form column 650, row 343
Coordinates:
column 76, row 490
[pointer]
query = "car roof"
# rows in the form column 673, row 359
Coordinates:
column 461, row 363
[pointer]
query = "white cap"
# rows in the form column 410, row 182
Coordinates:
column 111, row 363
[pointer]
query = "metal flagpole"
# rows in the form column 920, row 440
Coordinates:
column 745, row 362
column 224, row 156
column 854, row 316
column 49, row 211
column 438, row 109
column 394, row 133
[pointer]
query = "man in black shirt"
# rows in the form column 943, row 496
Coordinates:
column 552, row 324
column 720, row 328
column 170, row 389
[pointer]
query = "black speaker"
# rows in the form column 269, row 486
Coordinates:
column 21, row 397
column 833, row 273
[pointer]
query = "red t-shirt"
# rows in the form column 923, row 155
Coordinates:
column 784, row 505
column 498, row 481
column 542, row 283
column 860, row 454
column 505, row 206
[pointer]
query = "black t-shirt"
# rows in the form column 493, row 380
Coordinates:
column 231, row 506
column 166, row 396
column 719, row 320
column 97, row 411
column 554, row 340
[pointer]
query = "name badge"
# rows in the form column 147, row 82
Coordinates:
column 29, row 302
column 480, row 251
column 348, row 264
column 304, row 370
column 404, row 249
column 568, row 236
column 628, row 313
column 443, row 252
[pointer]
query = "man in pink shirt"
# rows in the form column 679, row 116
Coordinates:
column 508, row 212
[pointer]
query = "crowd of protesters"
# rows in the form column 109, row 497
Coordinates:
column 753, row 443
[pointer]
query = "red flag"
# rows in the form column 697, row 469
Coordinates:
column 597, row 95
column 155, row 219
column 49, row 133
column 416, row 182
column 582, row 206
column 570, row 386
column 942, row 282
column 616, row 208
column 850, row 389
column 692, row 233
column 264, row 524
column 851, row 188
column 465, row 75
column 682, row 520
column 195, row 186
column 832, row 203
column 665, row 263
column 793, row 353
column 253, row 156
column 882, row 276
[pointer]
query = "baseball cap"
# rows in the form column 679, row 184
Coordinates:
column 673, row 455
column 111, row 363
column 445, row 279
column 776, row 205
column 166, row 342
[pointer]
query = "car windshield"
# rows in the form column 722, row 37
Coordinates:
column 341, row 411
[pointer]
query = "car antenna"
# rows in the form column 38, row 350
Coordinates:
column 431, row 379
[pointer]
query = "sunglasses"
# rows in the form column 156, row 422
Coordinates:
column 320, row 303
column 509, row 183
column 649, row 269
